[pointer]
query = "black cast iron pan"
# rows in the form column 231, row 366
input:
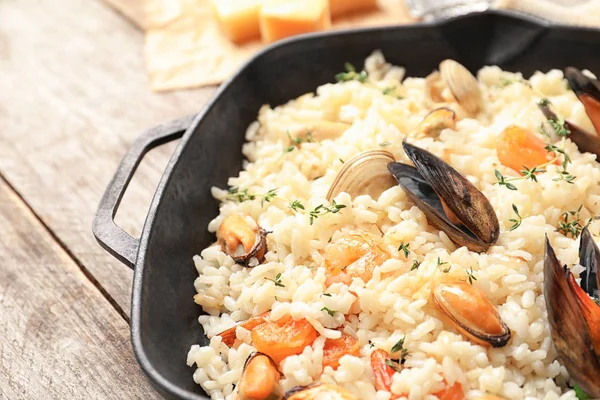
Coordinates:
column 163, row 316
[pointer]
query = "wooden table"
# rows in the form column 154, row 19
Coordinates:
column 73, row 96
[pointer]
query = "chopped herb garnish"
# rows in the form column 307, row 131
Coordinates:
column 330, row 312
column 371, row 344
column 504, row 82
column 329, row 240
column 503, row 181
column 389, row 90
column 385, row 144
column 393, row 364
column 516, row 221
column 399, row 345
column 404, row 248
column 342, row 161
column 415, row 265
column 470, row 275
column 440, row 263
column 351, row 74
column 571, row 223
column 580, row 393
column 559, row 127
column 544, row 102
column 530, row 173
column 297, row 141
column 296, row 205
column 320, row 210
column 277, row 280
column 597, row 301
column 327, row 294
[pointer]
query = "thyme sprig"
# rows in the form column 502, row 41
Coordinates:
column 297, row 141
column 470, row 275
column 560, row 155
column 236, row 194
column 516, row 221
column 277, row 280
column 399, row 347
column 404, row 247
column 329, row 311
column 571, row 223
column 351, row 74
column 415, row 265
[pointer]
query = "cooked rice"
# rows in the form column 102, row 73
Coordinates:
column 387, row 309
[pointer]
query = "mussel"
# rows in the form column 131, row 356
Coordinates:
column 450, row 202
column 436, row 121
column 318, row 391
column 472, row 313
column 574, row 316
column 463, row 87
column 242, row 239
column 588, row 92
column 259, row 380
column 365, row 173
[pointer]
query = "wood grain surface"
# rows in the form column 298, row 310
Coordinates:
column 60, row 338
column 73, row 96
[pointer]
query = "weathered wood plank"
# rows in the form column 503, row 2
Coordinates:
column 60, row 338
column 73, row 96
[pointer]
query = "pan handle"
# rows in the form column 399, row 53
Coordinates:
column 112, row 238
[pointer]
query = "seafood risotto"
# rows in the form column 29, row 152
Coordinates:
column 394, row 237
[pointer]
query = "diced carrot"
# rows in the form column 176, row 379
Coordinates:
column 334, row 349
column 283, row 338
column 381, row 371
column 454, row 392
column 518, row 147
column 229, row 335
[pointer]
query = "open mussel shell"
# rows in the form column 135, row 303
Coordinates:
column 588, row 92
column 589, row 257
column 472, row 313
column 319, row 391
column 365, row 173
column 570, row 324
column 242, row 239
column 463, row 85
column 434, row 186
column 259, row 380
column 586, row 141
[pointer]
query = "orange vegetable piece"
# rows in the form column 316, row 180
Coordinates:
column 229, row 335
column 454, row 392
column 283, row 338
column 382, row 372
column 334, row 349
column 353, row 256
column 518, row 147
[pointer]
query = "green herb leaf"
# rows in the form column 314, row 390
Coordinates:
column 404, row 248
column 516, row 222
column 330, row 312
column 580, row 393
column 385, row 144
column 470, row 275
column 351, row 74
column 327, row 294
column 399, row 345
column 393, row 364
column 415, row 265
